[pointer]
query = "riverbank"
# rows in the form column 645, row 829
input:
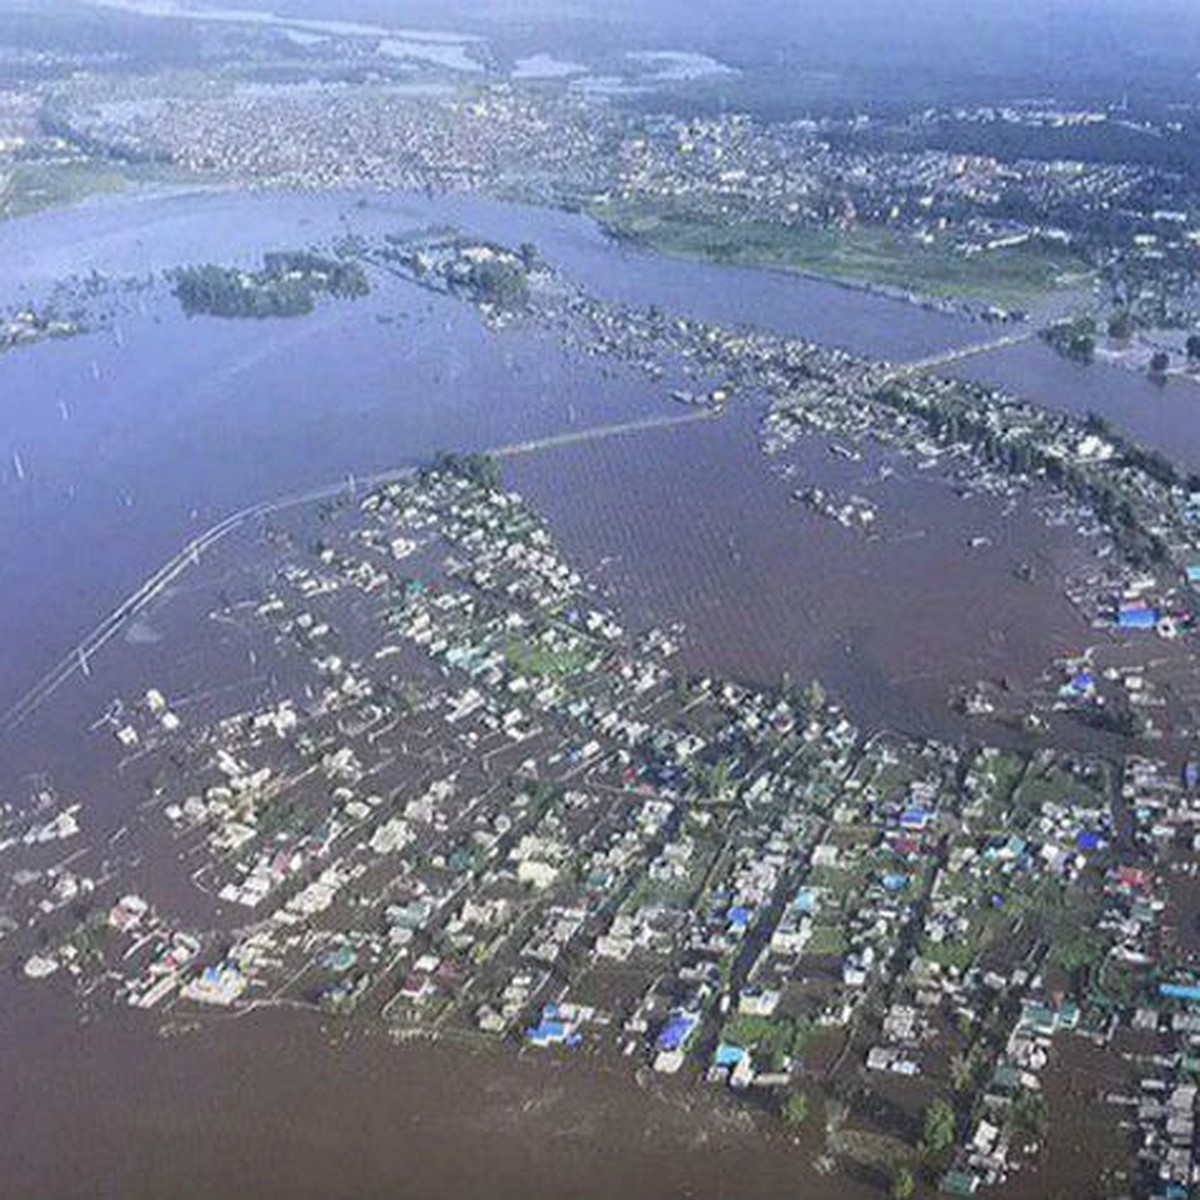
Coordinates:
column 1004, row 285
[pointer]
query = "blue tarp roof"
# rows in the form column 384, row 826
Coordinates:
column 1012, row 845
column 677, row 1030
column 1179, row 991
column 895, row 882
column 1085, row 839
column 553, row 1031
column 729, row 1056
column 1137, row 618
column 739, row 916
column 806, row 900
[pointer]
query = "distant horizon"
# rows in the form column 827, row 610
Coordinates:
column 1004, row 38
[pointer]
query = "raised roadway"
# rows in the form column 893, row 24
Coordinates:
column 946, row 357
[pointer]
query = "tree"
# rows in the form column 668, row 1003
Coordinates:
column 941, row 1129
column 795, row 1109
column 1121, row 325
column 903, row 1184
column 1193, row 347
column 1028, row 1116
column 497, row 282
column 1080, row 951
column 480, row 469
column 1076, row 339
column 715, row 779
column 962, row 1069
column 1159, row 362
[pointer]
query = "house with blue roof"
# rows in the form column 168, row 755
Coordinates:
column 1136, row 616
column 679, row 1028
column 553, row 1029
column 728, row 1055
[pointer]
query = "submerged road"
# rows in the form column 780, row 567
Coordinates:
column 77, row 660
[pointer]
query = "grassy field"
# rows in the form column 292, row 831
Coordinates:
column 1013, row 278
column 528, row 659
column 827, row 940
column 28, row 187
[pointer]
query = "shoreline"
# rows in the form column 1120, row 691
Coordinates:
column 970, row 309
column 966, row 308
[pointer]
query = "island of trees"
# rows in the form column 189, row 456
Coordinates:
column 1076, row 339
column 287, row 285
column 499, row 283
column 480, row 272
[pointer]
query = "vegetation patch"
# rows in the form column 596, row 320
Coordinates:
column 1013, row 277
column 287, row 286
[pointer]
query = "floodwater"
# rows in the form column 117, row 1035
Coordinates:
column 132, row 237
column 1161, row 415
column 268, row 1107
column 686, row 525
column 131, row 444
column 132, row 440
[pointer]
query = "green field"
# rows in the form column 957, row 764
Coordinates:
column 827, row 940
column 529, row 659
column 1016, row 277
column 28, row 187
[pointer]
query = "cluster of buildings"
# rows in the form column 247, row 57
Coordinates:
column 472, row 803
column 499, row 138
column 478, row 807
column 832, row 173
column 565, row 145
column 28, row 325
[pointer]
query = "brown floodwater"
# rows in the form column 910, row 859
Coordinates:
column 180, row 423
column 688, row 525
column 270, row 1106
column 676, row 525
